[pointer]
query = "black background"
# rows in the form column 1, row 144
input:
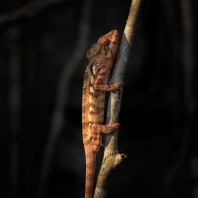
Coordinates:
column 158, row 114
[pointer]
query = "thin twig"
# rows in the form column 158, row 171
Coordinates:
column 63, row 90
column 112, row 158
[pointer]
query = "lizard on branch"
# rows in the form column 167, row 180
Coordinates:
column 102, row 57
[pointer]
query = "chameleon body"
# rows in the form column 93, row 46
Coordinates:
column 102, row 56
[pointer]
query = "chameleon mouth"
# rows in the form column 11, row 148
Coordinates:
column 114, row 36
column 114, row 39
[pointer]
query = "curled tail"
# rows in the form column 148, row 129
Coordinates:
column 90, row 173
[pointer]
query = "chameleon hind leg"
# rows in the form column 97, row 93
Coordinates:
column 97, row 129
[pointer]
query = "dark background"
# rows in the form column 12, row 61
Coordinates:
column 42, row 63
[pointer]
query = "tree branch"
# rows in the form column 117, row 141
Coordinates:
column 112, row 158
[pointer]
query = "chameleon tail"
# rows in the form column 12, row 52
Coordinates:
column 90, row 173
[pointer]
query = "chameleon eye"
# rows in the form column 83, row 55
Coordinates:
column 106, row 41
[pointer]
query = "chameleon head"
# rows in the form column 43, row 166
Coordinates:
column 111, row 39
column 108, row 41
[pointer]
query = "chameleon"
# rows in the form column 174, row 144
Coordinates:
column 101, row 56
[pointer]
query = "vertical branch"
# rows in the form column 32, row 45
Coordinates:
column 187, row 61
column 187, row 53
column 189, row 101
column 14, row 103
column 62, row 93
column 112, row 158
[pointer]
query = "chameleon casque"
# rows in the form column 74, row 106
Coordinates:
column 102, row 56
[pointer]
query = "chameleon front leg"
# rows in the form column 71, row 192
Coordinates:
column 111, row 86
column 99, row 83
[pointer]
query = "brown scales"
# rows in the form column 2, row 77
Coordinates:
column 101, row 56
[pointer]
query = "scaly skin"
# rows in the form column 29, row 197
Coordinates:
column 101, row 56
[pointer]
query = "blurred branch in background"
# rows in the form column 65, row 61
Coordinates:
column 186, row 56
column 188, row 70
column 14, row 102
column 63, row 92
column 28, row 10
